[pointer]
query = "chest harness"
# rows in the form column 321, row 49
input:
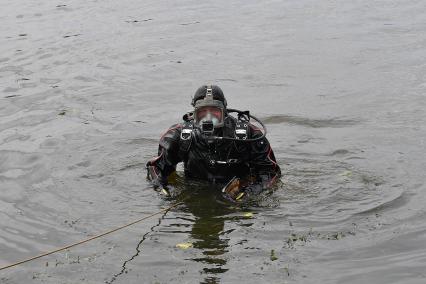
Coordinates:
column 241, row 134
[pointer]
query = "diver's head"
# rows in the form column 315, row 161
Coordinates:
column 209, row 108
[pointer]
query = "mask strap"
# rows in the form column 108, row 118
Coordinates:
column 209, row 92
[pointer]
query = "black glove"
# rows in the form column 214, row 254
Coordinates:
column 158, row 180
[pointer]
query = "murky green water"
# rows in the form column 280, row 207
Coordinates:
column 87, row 88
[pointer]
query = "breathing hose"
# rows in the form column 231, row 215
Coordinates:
column 246, row 115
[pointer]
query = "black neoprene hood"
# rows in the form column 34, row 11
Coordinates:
column 216, row 92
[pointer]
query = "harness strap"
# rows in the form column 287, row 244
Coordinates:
column 241, row 130
column 186, row 136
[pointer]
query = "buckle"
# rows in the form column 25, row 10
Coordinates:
column 241, row 134
column 209, row 91
column 185, row 134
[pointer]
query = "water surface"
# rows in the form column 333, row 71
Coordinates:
column 87, row 88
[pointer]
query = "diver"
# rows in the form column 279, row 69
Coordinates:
column 218, row 147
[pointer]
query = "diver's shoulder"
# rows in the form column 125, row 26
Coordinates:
column 255, row 131
column 172, row 132
column 176, row 126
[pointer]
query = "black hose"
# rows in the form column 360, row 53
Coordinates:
column 244, row 113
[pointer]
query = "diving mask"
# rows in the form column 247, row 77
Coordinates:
column 209, row 113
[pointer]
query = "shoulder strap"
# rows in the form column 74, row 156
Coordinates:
column 241, row 130
column 186, row 136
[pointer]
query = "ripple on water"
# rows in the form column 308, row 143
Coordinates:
column 309, row 122
column 50, row 80
column 51, row 143
column 10, row 90
column 329, row 192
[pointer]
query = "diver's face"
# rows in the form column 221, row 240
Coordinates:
column 209, row 113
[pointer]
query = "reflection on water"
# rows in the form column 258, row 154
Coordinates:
column 208, row 230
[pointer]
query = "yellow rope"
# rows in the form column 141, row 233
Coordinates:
column 90, row 239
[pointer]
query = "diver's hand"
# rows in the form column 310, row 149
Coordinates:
column 238, row 190
column 160, row 182
column 155, row 177
column 168, row 191
column 234, row 190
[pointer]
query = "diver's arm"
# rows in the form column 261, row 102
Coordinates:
column 264, row 168
column 262, row 161
column 160, row 167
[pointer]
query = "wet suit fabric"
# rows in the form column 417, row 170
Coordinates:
column 218, row 161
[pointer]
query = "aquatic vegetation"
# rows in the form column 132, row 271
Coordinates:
column 184, row 245
column 273, row 256
column 248, row 215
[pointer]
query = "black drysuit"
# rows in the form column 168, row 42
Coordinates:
column 217, row 161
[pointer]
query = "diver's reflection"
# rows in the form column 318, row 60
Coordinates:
column 208, row 228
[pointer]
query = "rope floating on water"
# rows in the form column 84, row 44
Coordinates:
column 91, row 238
